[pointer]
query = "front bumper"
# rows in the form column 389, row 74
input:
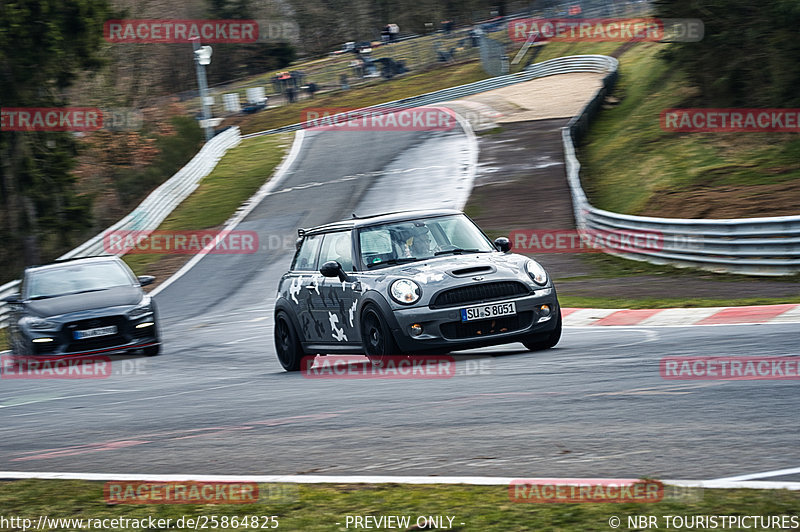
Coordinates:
column 443, row 329
column 61, row 351
column 128, row 338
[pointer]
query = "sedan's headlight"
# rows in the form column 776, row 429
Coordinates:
column 405, row 291
column 536, row 272
column 39, row 324
column 142, row 310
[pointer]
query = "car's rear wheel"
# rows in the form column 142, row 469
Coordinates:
column 287, row 343
column 539, row 342
column 378, row 341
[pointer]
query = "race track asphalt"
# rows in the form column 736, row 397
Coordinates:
column 217, row 401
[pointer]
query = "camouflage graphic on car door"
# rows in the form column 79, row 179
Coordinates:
column 338, row 298
column 301, row 284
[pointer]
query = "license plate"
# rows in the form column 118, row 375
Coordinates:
column 485, row 312
column 94, row 333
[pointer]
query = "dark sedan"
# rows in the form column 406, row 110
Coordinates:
column 83, row 306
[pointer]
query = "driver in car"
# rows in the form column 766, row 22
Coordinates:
column 419, row 243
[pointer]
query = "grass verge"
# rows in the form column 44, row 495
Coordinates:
column 321, row 507
column 3, row 340
column 237, row 176
column 606, row 266
column 408, row 85
column 380, row 92
column 654, row 302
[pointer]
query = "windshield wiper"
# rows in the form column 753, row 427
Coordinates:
column 34, row 298
column 398, row 260
column 458, row 251
column 85, row 291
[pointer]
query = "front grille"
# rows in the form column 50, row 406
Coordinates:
column 457, row 330
column 479, row 293
column 122, row 337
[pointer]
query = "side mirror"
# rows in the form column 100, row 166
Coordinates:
column 333, row 269
column 502, row 244
column 145, row 280
column 13, row 298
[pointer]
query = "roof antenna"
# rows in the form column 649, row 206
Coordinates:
column 355, row 216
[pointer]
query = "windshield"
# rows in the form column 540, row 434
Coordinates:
column 412, row 240
column 76, row 278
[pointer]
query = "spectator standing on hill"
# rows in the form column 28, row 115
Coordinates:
column 311, row 89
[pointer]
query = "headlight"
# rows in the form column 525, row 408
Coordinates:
column 36, row 323
column 536, row 272
column 405, row 291
column 141, row 310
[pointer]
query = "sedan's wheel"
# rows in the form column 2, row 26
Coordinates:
column 378, row 341
column 287, row 343
column 539, row 342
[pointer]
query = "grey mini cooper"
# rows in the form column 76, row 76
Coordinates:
column 419, row 282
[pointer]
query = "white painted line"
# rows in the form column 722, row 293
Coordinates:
column 790, row 316
column 735, row 485
column 280, row 174
column 370, row 479
column 766, row 474
column 259, row 337
column 680, row 316
column 688, row 325
column 472, row 163
column 61, row 398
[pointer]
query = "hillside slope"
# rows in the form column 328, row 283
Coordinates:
column 631, row 165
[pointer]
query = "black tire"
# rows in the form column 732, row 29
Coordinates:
column 377, row 337
column 287, row 343
column 152, row 350
column 539, row 342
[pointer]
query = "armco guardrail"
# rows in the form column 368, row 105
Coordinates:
column 751, row 246
column 157, row 206
column 6, row 290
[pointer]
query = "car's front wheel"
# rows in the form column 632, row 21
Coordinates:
column 378, row 341
column 152, row 350
column 539, row 342
column 287, row 343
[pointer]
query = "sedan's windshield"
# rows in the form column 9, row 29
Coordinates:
column 75, row 279
column 412, row 240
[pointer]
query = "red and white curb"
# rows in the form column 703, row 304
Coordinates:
column 584, row 317
column 373, row 479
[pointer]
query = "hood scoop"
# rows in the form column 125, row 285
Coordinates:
column 473, row 270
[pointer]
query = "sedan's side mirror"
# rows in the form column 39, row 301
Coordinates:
column 145, row 280
column 502, row 244
column 333, row 269
column 13, row 298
